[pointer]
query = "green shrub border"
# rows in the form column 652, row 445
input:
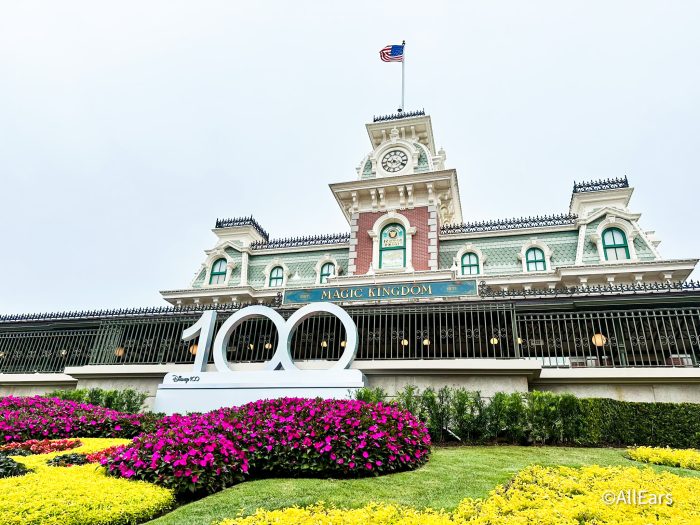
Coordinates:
column 546, row 418
column 126, row 400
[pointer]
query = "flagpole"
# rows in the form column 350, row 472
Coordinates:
column 403, row 75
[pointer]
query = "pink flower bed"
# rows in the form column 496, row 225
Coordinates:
column 23, row 418
column 290, row 436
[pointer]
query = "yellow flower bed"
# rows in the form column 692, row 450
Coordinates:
column 672, row 457
column 537, row 496
column 78, row 495
column 375, row 514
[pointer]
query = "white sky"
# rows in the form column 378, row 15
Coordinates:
column 127, row 128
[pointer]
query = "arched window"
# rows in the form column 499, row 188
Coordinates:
column 615, row 245
column 327, row 270
column 392, row 247
column 470, row 264
column 534, row 260
column 276, row 277
column 218, row 272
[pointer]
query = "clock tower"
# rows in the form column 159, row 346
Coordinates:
column 402, row 195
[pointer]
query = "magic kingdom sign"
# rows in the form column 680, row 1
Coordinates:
column 381, row 292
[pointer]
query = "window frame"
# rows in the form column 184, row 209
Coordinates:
column 615, row 246
column 382, row 249
column 273, row 277
column 473, row 263
column 218, row 273
column 324, row 275
column 539, row 257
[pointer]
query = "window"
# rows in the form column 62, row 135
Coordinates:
column 218, row 272
column 276, row 277
column 615, row 245
column 534, row 260
column 327, row 270
column 392, row 247
column 470, row 264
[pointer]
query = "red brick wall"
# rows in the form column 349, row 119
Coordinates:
column 418, row 217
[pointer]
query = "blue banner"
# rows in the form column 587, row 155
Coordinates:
column 380, row 292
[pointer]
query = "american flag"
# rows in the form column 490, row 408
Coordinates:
column 392, row 53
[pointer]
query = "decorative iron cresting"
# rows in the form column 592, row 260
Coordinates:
column 397, row 116
column 488, row 292
column 123, row 312
column 563, row 219
column 242, row 221
column 599, row 185
column 308, row 240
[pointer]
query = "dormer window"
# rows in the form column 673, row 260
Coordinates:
column 470, row 264
column 535, row 261
column 392, row 247
column 327, row 270
column 218, row 272
column 615, row 245
column 276, row 277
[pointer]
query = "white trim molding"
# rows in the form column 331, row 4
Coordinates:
column 627, row 228
column 536, row 243
column 375, row 234
column 323, row 260
column 469, row 248
column 285, row 273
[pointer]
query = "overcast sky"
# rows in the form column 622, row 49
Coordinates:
column 127, row 128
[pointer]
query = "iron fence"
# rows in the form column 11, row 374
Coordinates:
column 563, row 335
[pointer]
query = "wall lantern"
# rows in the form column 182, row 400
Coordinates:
column 193, row 349
column 324, row 344
column 268, row 345
column 2, row 355
column 119, row 352
column 64, row 352
column 404, row 342
column 493, row 340
column 599, row 340
column 426, row 342
column 251, row 346
column 342, row 344
column 520, row 340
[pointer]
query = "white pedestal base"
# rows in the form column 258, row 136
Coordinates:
column 201, row 392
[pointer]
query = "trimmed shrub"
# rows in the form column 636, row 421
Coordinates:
column 127, row 400
column 371, row 395
column 23, row 418
column 467, row 415
column 203, row 453
column 67, row 460
column 506, row 417
column 10, row 468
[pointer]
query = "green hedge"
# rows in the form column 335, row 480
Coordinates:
column 456, row 414
column 127, row 400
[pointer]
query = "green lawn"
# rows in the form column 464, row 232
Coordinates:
column 451, row 475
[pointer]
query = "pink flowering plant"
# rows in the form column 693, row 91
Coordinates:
column 23, row 418
column 289, row 436
column 39, row 446
column 189, row 454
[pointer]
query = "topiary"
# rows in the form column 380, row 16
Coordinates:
column 9, row 467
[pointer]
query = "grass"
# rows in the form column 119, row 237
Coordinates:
column 451, row 475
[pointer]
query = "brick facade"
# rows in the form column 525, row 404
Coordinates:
column 417, row 217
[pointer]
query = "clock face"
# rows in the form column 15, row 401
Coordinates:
column 394, row 161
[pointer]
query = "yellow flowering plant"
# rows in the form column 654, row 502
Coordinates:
column 684, row 458
column 536, row 496
column 78, row 495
